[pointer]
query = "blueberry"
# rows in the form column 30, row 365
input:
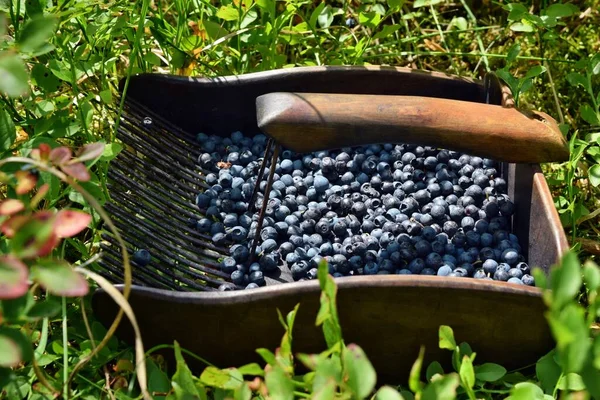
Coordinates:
column 228, row 265
column 501, row 275
column 237, row 277
column 416, row 266
column 433, row 260
column 226, row 287
column 350, row 22
column 444, row 270
column 371, row 268
column 515, row 280
column 299, row 270
column 459, row 272
column 523, row 267
column 510, row 256
column 515, row 273
column 142, row 257
column 480, row 274
column 257, row 277
column 238, row 234
column 528, row 280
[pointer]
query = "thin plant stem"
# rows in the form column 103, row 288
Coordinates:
column 477, row 35
column 65, row 344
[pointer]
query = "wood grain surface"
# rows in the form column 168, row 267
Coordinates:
column 307, row 122
column 389, row 316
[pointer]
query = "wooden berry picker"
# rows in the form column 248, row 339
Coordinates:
column 421, row 190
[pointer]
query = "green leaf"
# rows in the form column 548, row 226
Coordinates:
column 228, row 13
column 369, row 19
column 183, row 381
column 214, row 30
column 36, row 32
column 575, row 78
column 516, row 11
column 388, row 393
column 522, row 27
column 279, row 384
column 327, row 315
column 44, row 78
column 327, row 369
column 565, row 280
column 229, row 378
column 535, row 71
column 467, row 374
column 59, row 278
column 325, row 18
column 252, row 369
column 358, row 370
column 44, row 309
column 158, row 381
column 526, row 391
column 314, row 16
column 17, row 337
column 594, row 175
column 443, row 388
column 571, row 382
column 548, row 372
column 266, row 5
column 386, row 31
column 8, row 133
column 10, row 353
column 14, row 310
column 489, row 372
column 512, row 54
column 595, row 64
column 591, row 378
column 561, row 10
column 426, row 3
column 432, row 369
column 510, row 80
column 13, row 277
column 446, row 338
column 589, row 115
column 591, row 275
column 325, row 391
column 395, row 4
column 414, row 379
column 13, row 75
column 459, row 22
column 267, row 355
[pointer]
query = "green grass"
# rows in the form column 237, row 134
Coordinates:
column 73, row 99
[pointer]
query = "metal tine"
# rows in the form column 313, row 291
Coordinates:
column 180, row 141
column 114, row 268
column 261, row 216
column 159, row 254
column 145, row 166
column 176, row 244
column 150, row 278
column 135, row 208
column 139, row 232
column 176, row 203
column 259, row 177
column 152, row 154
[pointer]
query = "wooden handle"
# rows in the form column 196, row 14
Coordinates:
column 306, row 122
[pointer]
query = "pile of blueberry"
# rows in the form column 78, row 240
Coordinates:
column 378, row 209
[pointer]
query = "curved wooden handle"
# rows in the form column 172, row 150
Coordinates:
column 306, row 122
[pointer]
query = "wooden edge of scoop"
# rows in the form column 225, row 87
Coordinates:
column 307, row 122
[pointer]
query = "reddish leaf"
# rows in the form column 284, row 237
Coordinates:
column 60, row 155
column 12, row 225
column 10, row 353
column 11, row 206
column 13, row 277
column 91, row 151
column 69, row 223
column 26, row 181
column 42, row 153
column 77, row 171
column 59, row 278
column 41, row 193
column 35, row 238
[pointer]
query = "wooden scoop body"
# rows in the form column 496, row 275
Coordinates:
column 307, row 122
